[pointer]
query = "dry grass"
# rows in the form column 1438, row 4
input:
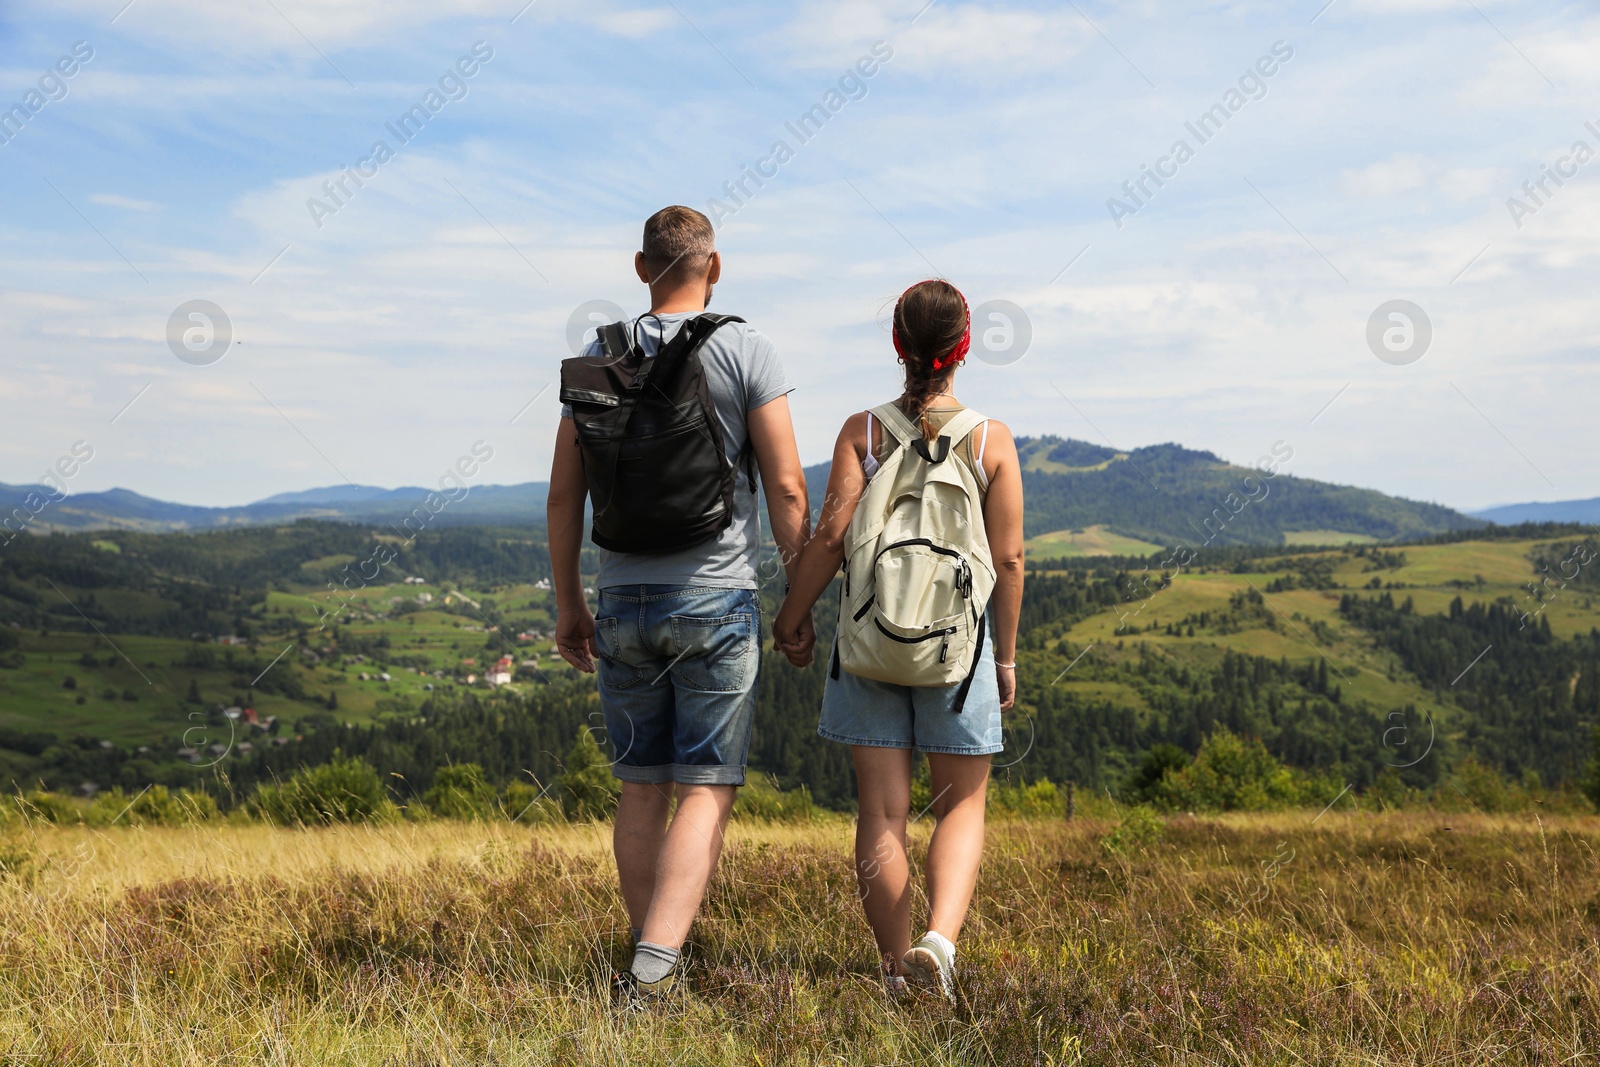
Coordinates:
column 1363, row 939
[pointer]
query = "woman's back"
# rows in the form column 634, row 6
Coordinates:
column 972, row 452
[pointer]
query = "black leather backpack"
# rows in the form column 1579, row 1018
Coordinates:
column 659, row 477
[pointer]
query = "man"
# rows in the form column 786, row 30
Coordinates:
column 678, row 633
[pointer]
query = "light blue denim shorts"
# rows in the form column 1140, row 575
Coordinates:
column 860, row 711
column 678, row 681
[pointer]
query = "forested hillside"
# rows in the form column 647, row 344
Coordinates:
column 120, row 652
column 1168, row 494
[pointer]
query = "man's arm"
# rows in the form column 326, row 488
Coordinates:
column 788, row 506
column 564, row 518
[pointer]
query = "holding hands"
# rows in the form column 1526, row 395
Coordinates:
column 794, row 633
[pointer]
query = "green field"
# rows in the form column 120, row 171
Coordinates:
column 1305, row 625
column 1090, row 541
column 134, row 690
column 1295, row 538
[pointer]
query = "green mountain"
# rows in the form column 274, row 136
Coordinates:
column 1168, row 494
column 1161, row 494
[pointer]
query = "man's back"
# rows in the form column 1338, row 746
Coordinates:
column 677, row 638
column 742, row 373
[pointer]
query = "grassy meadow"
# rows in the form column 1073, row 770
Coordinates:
column 1292, row 938
column 1089, row 541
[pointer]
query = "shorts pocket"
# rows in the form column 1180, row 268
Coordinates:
column 615, row 673
column 716, row 655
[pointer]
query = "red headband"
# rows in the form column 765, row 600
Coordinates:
column 956, row 355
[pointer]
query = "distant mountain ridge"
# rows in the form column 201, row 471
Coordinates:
column 1169, row 494
column 1160, row 493
column 122, row 509
column 1551, row 511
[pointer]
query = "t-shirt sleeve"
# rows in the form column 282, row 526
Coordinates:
column 765, row 380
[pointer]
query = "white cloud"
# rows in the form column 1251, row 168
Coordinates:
column 1407, row 172
column 127, row 203
column 638, row 23
column 975, row 39
column 1394, row 175
column 407, row 328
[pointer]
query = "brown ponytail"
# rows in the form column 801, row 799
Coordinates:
column 930, row 331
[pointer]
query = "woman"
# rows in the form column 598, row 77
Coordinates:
column 957, row 727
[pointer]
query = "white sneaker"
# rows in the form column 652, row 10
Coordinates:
column 931, row 964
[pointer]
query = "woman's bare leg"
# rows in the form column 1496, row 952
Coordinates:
column 960, row 784
column 883, row 785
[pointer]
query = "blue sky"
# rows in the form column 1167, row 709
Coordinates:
column 1227, row 312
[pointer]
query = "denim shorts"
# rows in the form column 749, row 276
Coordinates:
column 860, row 711
column 678, row 681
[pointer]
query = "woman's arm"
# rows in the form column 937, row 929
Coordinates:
column 820, row 558
column 1002, row 518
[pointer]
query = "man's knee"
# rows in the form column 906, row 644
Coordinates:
column 647, row 794
column 721, row 795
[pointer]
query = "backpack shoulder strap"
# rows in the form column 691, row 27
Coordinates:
column 895, row 421
column 960, row 427
column 685, row 343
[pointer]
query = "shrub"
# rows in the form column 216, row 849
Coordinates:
column 1389, row 791
column 1229, row 773
column 1591, row 778
column 1141, row 826
column 588, row 789
column 342, row 790
column 762, row 800
column 1145, row 781
column 156, row 806
column 1474, row 785
column 532, row 805
column 47, row 807
column 459, row 792
column 1038, row 800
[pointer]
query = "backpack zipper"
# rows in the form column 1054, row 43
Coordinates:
column 944, row 633
column 963, row 573
column 923, row 541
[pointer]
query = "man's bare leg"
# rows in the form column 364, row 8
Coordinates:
column 688, row 857
column 636, row 838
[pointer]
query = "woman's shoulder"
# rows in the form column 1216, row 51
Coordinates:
column 998, row 431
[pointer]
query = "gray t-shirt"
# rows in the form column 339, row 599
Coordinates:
column 742, row 373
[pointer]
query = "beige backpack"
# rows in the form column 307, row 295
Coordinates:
column 917, row 571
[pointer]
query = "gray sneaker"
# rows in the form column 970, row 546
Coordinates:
column 628, row 994
column 928, row 966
